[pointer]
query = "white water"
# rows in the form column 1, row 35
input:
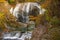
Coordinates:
column 16, row 36
column 15, row 12
column 26, row 7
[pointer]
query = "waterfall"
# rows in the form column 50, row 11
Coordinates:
column 24, row 9
column 22, row 12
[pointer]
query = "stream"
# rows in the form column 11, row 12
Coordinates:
column 17, row 36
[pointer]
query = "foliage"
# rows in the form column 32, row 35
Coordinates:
column 53, row 18
column 7, row 20
column 50, row 20
column 11, row 1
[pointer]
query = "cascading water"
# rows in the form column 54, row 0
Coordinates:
column 21, row 12
column 24, row 9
